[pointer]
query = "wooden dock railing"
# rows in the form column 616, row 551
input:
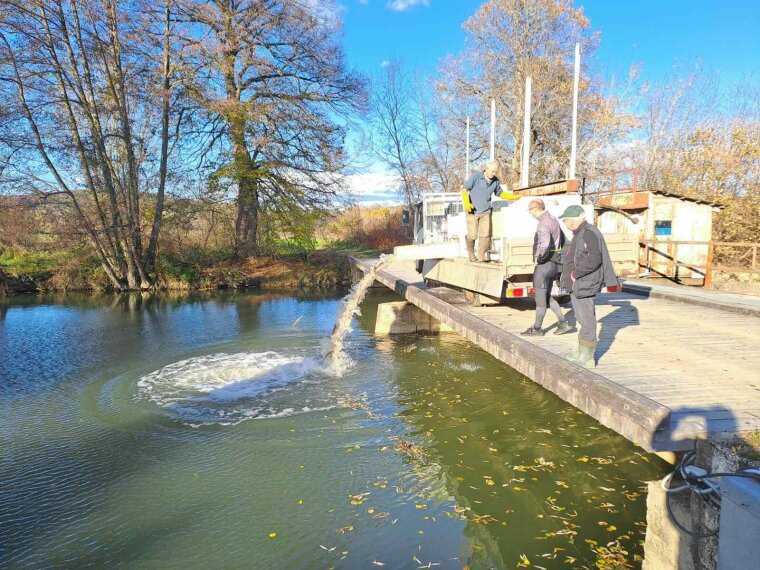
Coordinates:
column 734, row 257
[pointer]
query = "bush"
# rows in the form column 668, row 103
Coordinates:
column 27, row 265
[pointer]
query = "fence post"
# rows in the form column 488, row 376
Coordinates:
column 708, row 270
column 754, row 256
column 675, row 262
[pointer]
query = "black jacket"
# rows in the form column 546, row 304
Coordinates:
column 589, row 261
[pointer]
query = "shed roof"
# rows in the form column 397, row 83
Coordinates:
column 637, row 200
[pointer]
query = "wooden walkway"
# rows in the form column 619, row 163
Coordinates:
column 668, row 372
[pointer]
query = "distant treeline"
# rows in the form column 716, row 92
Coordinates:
column 140, row 132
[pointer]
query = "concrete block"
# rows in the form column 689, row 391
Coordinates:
column 739, row 546
column 402, row 317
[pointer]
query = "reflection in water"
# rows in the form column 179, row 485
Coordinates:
column 425, row 451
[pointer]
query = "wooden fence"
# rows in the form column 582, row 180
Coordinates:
column 734, row 257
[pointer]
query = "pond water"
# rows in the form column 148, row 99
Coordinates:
column 204, row 432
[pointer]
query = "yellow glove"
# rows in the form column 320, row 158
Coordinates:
column 468, row 207
column 508, row 196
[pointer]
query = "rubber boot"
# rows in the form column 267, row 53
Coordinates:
column 584, row 356
column 470, row 248
column 484, row 244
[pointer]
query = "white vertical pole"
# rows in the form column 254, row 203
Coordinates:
column 467, row 153
column 574, row 142
column 493, row 128
column 526, row 136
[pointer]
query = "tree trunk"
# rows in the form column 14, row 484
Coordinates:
column 247, row 222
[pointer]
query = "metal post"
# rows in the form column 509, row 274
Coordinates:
column 493, row 129
column 574, row 142
column 524, row 178
column 467, row 153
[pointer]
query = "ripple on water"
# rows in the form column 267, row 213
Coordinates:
column 226, row 389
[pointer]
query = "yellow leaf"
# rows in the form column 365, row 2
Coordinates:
column 272, row 534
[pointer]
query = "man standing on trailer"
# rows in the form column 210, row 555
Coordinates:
column 586, row 268
column 547, row 248
column 477, row 194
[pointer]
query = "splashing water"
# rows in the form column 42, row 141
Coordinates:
column 226, row 389
column 334, row 355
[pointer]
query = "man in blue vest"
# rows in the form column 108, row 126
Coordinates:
column 586, row 269
column 547, row 247
column 478, row 192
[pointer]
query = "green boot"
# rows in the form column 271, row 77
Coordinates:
column 584, row 356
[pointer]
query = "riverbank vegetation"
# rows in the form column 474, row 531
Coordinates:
column 41, row 251
column 184, row 143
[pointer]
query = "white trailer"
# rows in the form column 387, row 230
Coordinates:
column 441, row 254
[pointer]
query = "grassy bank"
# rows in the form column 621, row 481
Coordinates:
column 41, row 253
column 22, row 271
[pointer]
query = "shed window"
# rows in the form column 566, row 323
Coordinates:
column 662, row 227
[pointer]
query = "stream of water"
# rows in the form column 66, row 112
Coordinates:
column 207, row 432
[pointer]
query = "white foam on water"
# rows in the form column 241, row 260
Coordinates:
column 228, row 388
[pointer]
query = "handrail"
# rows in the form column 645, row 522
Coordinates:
column 668, row 250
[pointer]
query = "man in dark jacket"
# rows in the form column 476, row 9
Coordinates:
column 586, row 269
column 547, row 246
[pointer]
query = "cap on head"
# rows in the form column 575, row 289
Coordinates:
column 536, row 203
column 573, row 211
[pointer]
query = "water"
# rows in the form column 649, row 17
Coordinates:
column 204, row 432
column 335, row 350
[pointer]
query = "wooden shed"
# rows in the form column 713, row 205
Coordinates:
column 665, row 224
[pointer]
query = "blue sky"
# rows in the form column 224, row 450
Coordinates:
column 723, row 36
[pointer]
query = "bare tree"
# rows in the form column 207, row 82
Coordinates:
column 81, row 95
column 702, row 139
column 394, row 121
column 272, row 80
column 509, row 40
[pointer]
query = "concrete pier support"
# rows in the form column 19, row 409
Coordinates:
column 666, row 547
column 402, row 317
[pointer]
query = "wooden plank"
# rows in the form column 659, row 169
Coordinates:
column 426, row 251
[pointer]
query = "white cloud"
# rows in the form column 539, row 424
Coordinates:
column 385, row 63
column 374, row 188
column 328, row 12
column 402, row 5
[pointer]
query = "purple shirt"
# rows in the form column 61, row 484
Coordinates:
column 548, row 233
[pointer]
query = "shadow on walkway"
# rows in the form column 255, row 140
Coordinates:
column 625, row 314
